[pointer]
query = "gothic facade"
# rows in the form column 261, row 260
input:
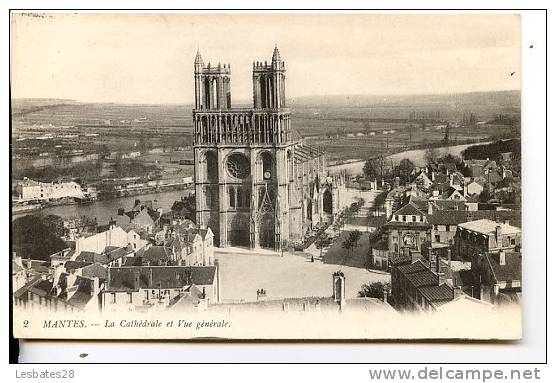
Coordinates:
column 256, row 185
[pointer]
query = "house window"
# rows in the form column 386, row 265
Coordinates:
column 403, row 218
column 437, row 238
column 113, row 297
column 512, row 241
column 129, row 298
column 414, row 218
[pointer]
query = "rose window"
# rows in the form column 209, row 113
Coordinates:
column 238, row 166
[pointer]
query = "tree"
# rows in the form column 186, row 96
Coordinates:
column 374, row 168
column 35, row 239
column 56, row 224
column 354, row 237
column 450, row 159
column 374, row 290
column 143, row 144
column 431, row 156
column 351, row 241
column 404, row 170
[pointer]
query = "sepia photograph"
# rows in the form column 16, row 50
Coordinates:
column 266, row 176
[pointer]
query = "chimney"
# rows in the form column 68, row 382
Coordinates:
column 498, row 234
column 441, row 278
column 430, row 207
column 339, row 288
column 77, row 247
column 108, row 278
column 96, row 287
column 502, row 258
column 136, row 279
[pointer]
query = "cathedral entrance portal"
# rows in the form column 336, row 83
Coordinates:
column 266, row 231
column 238, row 231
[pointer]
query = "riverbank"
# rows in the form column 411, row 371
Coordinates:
column 417, row 156
column 105, row 209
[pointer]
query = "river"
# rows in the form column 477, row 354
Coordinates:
column 416, row 156
column 105, row 209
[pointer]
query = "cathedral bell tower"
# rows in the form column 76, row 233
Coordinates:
column 269, row 83
column 244, row 158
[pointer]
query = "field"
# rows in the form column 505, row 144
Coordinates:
column 347, row 127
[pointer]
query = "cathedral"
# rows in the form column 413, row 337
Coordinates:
column 256, row 184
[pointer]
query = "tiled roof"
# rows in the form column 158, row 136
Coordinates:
column 91, row 257
column 163, row 277
column 422, row 278
column 409, row 209
column 94, row 270
column 42, row 287
column 36, row 265
column 447, row 217
column 143, row 218
column 412, row 268
column 133, row 261
column 486, row 226
column 462, row 278
column 448, row 204
column 419, row 202
column 21, row 293
column 73, row 265
column 415, row 225
column 84, row 293
column 448, row 192
column 438, row 294
column 400, row 259
column 513, row 216
column 510, row 271
column 157, row 253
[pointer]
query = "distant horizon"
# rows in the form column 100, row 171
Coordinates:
column 148, row 58
column 241, row 102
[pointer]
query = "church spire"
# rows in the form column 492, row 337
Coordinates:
column 198, row 58
column 276, row 53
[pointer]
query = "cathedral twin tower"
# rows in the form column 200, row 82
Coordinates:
column 255, row 185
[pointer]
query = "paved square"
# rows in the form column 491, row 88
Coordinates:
column 242, row 273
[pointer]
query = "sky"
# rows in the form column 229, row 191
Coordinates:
column 148, row 58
